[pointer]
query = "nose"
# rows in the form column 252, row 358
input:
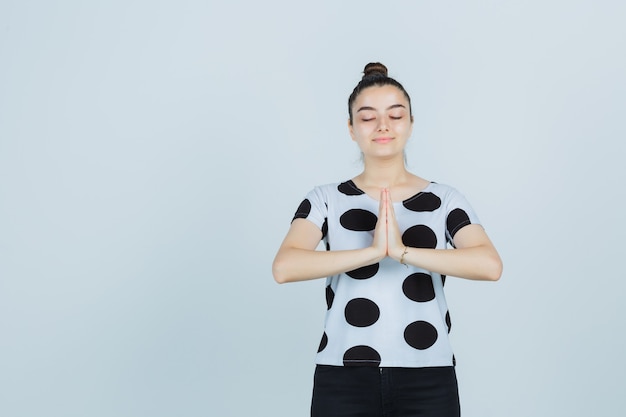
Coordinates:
column 382, row 124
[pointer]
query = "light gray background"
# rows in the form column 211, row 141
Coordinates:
column 152, row 154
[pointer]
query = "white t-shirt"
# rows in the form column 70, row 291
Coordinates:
column 386, row 314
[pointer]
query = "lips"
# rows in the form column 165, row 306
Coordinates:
column 383, row 140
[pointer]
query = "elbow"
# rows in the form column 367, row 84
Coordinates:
column 494, row 272
column 278, row 272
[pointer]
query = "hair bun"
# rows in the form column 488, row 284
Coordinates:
column 374, row 68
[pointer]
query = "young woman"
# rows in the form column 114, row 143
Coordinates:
column 385, row 348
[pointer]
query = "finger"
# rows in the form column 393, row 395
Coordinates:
column 380, row 232
column 385, row 197
column 381, row 207
column 391, row 214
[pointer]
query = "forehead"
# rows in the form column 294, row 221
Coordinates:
column 380, row 97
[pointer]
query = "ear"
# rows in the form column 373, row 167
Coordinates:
column 350, row 129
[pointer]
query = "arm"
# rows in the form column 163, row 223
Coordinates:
column 297, row 259
column 475, row 257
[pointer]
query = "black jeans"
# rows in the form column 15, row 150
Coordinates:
column 384, row 392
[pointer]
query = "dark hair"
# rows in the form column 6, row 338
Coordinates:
column 375, row 74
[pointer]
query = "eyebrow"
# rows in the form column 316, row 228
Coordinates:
column 393, row 106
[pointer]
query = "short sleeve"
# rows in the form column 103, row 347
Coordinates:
column 314, row 208
column 459, row 213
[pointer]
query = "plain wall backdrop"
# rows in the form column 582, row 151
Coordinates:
column 152, row 154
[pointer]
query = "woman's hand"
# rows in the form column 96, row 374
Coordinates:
column 380, row 232
column 395, row 247
column 387, row 237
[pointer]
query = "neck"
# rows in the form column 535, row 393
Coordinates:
column 384, row 173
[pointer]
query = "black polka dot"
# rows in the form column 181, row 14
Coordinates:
column 361, row 312
column 330, row 296
column 456, row 220
column 420, row 236
column 423, row 202
column 420, row 335
column 303, row 210
column 349, row 188
column 358, row 220
column 323, row 343
column 419, row 287
column 364, row 272
column 325, row 228
column 448, row 321
column 361, row 356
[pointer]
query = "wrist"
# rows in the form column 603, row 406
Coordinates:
column 374, row 254
column 403, row 251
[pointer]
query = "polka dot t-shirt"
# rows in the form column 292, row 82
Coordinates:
column 386, row 314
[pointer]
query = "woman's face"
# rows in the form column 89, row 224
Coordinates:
column 381, row 121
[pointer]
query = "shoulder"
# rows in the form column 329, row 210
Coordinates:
column 337, row 188
column 320, row 195
column 450, row 197
column 443, row 190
